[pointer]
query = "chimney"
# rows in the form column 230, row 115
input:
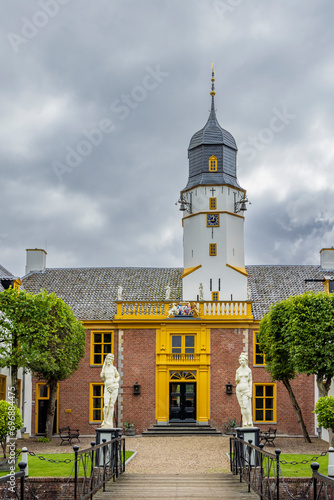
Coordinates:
column 36, row 260
column 327, row 259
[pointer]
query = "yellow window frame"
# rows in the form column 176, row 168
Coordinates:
column 213, row 203
column 215, row 296
column 265, row 399
column 212, row 249
column 183, row 348
column 99, row 407
column 213, row 164
column 257, row 354
column 3, row 382
column 101, row 345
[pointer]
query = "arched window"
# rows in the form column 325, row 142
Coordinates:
column 213, row 164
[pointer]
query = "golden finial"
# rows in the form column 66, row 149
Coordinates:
column 213, row 75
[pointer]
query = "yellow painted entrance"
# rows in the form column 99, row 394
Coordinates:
column 183, row 372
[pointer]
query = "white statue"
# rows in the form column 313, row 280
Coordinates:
column 168, row 290
column 243, row 378
column 110, row 377
column 119, row 292
column 201, row 292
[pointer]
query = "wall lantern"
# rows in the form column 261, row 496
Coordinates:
column 136, row 388
column 229, row 388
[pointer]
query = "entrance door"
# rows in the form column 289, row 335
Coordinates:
column 182, row 401
column 43, row 395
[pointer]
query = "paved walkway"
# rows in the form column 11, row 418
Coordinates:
column 177, row 467
column 184, row 486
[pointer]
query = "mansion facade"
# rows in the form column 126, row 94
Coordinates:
column 177, row 333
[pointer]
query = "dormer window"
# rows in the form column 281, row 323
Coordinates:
column 213, row 164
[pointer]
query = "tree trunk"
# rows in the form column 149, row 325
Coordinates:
column 51, row 409
column 323, row 385
column 297, row 409
column 15, row 390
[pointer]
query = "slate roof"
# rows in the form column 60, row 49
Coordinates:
column 271, row 284
column 5, row 274
column 91, row 292
column 212, row 133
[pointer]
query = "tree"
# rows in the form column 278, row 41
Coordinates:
column 10, row 422
column 324, row 409
column 50, row 340
column 273, row 335
column 312, row 337
column 13, row 307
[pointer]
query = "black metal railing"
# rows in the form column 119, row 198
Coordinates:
column 95, row 466
column 323, row 486
column 92, row 468
column 257, row 467
column 261, row 470
column 14, row 483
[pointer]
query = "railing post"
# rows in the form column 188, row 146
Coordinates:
column 22, row 466
column 75, row 449
column 249, row 450
column 278, row 452
column 331, row 462
column 92, row 468
column 261, row 446
column 104, row 463
column 24, row 453
column 315, row 468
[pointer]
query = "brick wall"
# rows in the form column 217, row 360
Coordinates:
column 139, row 365
column 303, row 388
column 226, row 346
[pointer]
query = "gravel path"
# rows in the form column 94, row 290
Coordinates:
column 179, row 455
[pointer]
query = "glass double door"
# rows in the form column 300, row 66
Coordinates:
column 182, row 401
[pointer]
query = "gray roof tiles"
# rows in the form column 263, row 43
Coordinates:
column 5, row 274
column 91, row 292
column 212, row 133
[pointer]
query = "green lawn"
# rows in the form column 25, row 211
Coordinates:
column 43, row 468
column 302, row 470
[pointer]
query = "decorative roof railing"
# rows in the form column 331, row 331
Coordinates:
column 162, row 310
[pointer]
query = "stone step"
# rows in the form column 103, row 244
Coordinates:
column 186, row 429
column 150, row 486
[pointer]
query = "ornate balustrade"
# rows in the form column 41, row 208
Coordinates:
column 182, row 358
column 160, row 310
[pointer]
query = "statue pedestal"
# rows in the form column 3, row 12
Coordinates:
column 247, row 434
column 108, row 434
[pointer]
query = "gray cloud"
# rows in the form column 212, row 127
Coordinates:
column 117, row 207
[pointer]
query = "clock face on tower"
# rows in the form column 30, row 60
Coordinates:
column 212, row 220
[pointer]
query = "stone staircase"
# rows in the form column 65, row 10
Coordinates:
column 181, row 429
column 180, row 486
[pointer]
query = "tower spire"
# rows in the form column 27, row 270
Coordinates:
column 213, row 93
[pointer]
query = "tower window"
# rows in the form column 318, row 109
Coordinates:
column 213, row 249
column 213, row 203
column 215, row 296
column 213, row 164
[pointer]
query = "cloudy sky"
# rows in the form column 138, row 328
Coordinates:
column 100, row 99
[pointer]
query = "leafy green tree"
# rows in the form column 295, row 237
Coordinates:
column 324, row 409
column 50, row 340
column 10, row 422
column 312, row 337
column 273, row 341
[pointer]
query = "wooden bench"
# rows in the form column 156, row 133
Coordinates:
column 66, row 435
column 268, row 436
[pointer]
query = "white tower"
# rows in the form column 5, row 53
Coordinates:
column 213, row 205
